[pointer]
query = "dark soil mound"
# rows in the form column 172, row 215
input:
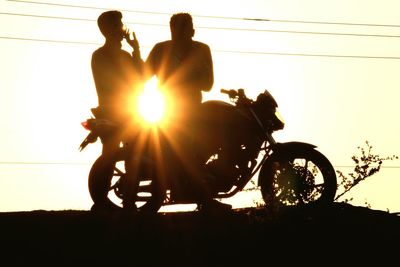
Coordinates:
column 329, row 235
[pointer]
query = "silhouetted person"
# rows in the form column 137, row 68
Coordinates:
column 184, row 67
column 117, row 74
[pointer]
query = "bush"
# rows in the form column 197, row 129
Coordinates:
column 366, row 164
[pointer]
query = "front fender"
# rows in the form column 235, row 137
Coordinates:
column 281, row 150
column 290, row 146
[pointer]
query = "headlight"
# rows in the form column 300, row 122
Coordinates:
column 279, row 122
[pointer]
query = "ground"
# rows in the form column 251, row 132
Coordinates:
column 335, row 234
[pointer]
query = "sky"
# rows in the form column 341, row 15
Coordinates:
column 333, row 67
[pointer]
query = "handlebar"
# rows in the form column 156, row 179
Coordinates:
column 232, row 93
column 238, row 96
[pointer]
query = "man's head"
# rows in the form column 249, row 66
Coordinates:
column 110, row 25
column 181, row 25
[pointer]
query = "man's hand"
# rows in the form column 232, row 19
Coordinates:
column 132, row 42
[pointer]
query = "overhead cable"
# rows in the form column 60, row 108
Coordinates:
column 214, row 28
column 219, row 51
column 214, row 17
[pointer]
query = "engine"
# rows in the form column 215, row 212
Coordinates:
column 228, row 149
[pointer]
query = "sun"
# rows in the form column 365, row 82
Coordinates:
column 152, row 103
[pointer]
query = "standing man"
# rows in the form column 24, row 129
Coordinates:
column 184, row 68
column 117, row 75
column 182, row 65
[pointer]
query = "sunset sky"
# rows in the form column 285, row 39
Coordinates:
column 333, row 67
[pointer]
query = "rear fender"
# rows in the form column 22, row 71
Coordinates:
column 90, row 138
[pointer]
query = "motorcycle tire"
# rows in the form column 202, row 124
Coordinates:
column 99, row 182
column 295, row 177
column 105, row 186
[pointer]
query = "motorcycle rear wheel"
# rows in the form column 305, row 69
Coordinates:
column 297, row 177
column 106, row 180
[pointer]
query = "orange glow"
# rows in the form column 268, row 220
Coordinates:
column 152, row 106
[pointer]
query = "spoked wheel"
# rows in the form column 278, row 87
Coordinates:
column 151, row 193
column 299, row 177
column 106, row 182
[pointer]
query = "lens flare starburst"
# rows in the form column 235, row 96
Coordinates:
column 152, row 103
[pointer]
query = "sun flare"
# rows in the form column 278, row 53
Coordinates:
column 152, row 103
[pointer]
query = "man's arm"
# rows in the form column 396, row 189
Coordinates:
column 203, row 70
column 150, row 63
column 98, row 77
column 208, row 70
column 136, row 56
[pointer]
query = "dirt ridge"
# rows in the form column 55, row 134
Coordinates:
column 196, row 238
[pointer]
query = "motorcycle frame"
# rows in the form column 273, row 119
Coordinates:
column 261, row 154
column 266, row 147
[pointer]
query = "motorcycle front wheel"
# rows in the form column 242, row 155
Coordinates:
column 297, row 177
column 106, row 181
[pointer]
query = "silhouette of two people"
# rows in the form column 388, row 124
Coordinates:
column 184, row 68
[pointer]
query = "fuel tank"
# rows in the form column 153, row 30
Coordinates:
column 223, row 124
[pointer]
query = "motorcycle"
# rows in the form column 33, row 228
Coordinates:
column 236, row 144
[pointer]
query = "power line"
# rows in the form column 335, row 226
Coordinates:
column 216, row 50
column 214, row 17
column 71, row 18
column 48, row 40
column 385, row 167
column 88, row 163
column 307, row 55
column 304, row 32
column 43, row 16
column 214, row 28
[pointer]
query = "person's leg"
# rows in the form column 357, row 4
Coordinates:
column 131, row 179
column 200, row 157
column 109, row 150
